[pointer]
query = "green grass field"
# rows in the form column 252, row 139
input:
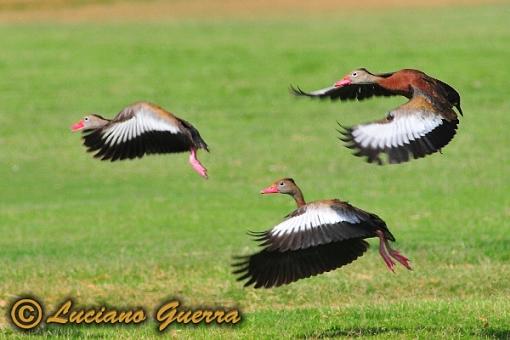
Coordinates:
column 136, row 233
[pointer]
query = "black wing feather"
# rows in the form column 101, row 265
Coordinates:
column 152, row 142
column 267, row 268
column 430, row 143
column 350, row 92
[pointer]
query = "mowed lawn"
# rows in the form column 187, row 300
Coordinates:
column 139, row 232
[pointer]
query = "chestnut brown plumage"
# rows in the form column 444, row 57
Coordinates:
column 422, row 126
column 315, row 238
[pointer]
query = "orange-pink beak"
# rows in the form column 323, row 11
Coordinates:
column 78, row 126
column 344, row 82
column 270, row 190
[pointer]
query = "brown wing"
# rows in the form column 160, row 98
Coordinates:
column 413, row 130
column 267, row 268
column 142, row 129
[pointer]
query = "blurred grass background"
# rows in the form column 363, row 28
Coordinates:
column 136, row 233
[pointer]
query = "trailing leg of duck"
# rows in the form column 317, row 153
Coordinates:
column 195, row 163
column 387, row 253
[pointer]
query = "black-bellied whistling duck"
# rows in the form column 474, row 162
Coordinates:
column 422, row 126
column 315, row 238
column 139, row 129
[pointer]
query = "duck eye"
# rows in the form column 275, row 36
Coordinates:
column 86, row 118
column 281, row 184
column 354, row 74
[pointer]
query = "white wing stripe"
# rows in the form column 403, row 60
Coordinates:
column 143, row 121
column 118, row 134
column 316, row 220
column 125, row 130
column 132, row 132
column 312, row 218
column 107, row 136
column 403, row 129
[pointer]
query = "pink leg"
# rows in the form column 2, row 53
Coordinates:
column 195, row 163
column 397, row 256
column 384, row 253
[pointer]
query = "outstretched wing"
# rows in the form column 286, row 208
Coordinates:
column 274, row 268
column 413, row 130
column 136, row 131
column 318, row 224
column 349, row 92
